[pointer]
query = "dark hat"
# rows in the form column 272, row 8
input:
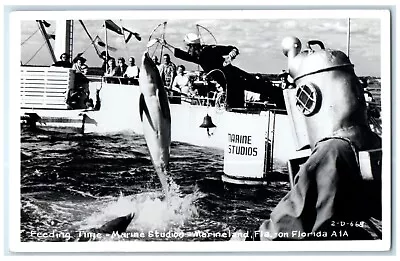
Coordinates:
column 83, row 60
column 67, row 55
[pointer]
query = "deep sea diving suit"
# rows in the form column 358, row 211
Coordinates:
column 332, row 199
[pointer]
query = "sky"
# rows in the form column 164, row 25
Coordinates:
column 258, row 40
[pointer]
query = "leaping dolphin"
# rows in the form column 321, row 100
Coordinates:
column 156, row 118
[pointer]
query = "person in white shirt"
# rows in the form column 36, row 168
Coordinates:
column 132, row 72
column 181, row 82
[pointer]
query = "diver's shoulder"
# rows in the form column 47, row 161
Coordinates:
column 333, row 144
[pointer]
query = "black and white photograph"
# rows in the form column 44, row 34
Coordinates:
column 197, row 130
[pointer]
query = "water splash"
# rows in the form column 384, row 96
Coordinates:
column 156, row 214
column 151, row 211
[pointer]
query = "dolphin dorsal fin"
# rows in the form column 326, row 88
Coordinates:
column 143, row 108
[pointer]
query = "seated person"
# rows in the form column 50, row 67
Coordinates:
column 64, row 61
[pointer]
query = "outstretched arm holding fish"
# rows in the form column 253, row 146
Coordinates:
column 219, row 58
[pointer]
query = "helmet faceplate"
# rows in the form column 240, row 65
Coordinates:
column 327, row 91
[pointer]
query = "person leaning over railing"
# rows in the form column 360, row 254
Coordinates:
column 218, row 59
column 121, row 67
column 111, row 73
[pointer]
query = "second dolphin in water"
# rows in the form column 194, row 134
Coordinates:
column 156, row 118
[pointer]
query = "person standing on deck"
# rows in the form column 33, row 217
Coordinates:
column 132, row 71
column 218, row 58
column 330, row 188
column 167, row 71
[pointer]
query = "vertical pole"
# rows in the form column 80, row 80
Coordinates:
column 267, row 154
column 64, row 38
column 273, row 140
column 70, row 24
column 348, row 37
column 105, row 30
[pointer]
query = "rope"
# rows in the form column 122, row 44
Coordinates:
column 93, row 41
column 91, row 44
column 86, row 48
column 155, row 49
column 27, row 39
column 40, row 48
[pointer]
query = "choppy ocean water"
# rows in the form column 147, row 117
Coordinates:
column 71, row 183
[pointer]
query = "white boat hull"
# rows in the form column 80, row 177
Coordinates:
column 120, row 112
